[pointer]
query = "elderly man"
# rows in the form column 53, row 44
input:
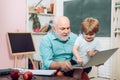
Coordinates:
column 56, row 48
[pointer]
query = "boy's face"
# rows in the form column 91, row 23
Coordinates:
column 89, row 36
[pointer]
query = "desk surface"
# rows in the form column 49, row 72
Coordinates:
column 7, row 77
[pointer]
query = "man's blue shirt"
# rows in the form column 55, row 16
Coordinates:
column 53, row 49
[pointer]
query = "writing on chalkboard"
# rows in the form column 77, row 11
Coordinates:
column 78, row 10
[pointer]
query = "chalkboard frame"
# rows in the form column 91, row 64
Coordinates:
column 20, row 43
column 77, row 10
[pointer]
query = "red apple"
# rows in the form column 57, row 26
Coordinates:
column 27, row 75
column 15, row 74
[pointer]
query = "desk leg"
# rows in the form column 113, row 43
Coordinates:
column 16, row 61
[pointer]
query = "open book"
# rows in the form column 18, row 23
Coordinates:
column 99, row 58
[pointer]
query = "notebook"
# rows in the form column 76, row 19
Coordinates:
column 43, row 72
column 99, row 58
column 38, row 72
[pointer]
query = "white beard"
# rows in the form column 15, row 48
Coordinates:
column 62, row 38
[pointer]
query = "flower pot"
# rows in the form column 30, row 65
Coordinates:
column 37, row 30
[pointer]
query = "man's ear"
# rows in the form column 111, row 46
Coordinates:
column 53, row 28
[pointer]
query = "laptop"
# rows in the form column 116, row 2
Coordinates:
column 99, row 58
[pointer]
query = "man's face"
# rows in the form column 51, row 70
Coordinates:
column 62, row 30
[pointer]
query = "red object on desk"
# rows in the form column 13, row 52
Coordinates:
column 60, row 73
column 85, row 76
column 27, row 75
column 15, row 74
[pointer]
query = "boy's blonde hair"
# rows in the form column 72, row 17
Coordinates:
column 90, row 25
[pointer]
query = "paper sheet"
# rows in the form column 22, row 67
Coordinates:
column 38, row 72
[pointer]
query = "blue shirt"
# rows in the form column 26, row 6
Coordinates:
column 52, row 49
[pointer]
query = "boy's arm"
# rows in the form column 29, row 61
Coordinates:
column 76, row 54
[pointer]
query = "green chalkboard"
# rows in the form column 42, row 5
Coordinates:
column 77, row 10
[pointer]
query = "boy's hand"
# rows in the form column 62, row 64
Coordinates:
column 91, row 52
column 80, row 61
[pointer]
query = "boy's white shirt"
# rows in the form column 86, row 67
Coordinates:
column 85, row 46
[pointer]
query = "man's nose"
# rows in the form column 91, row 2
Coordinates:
column 66, row 31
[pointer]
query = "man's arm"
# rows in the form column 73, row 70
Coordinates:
column 46, row 52
column 64, row 66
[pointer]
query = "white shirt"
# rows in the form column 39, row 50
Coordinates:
column 84, row 47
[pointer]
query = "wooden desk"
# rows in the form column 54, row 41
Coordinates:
column 7, row 77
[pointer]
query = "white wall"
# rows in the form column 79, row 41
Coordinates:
column 12, row 18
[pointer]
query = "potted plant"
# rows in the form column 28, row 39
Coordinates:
column 36, row 22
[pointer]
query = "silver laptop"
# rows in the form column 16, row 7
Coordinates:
column 99, row 58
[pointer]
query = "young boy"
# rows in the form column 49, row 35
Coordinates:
column 86, row 45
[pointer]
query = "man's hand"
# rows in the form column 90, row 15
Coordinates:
column 65, row 66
